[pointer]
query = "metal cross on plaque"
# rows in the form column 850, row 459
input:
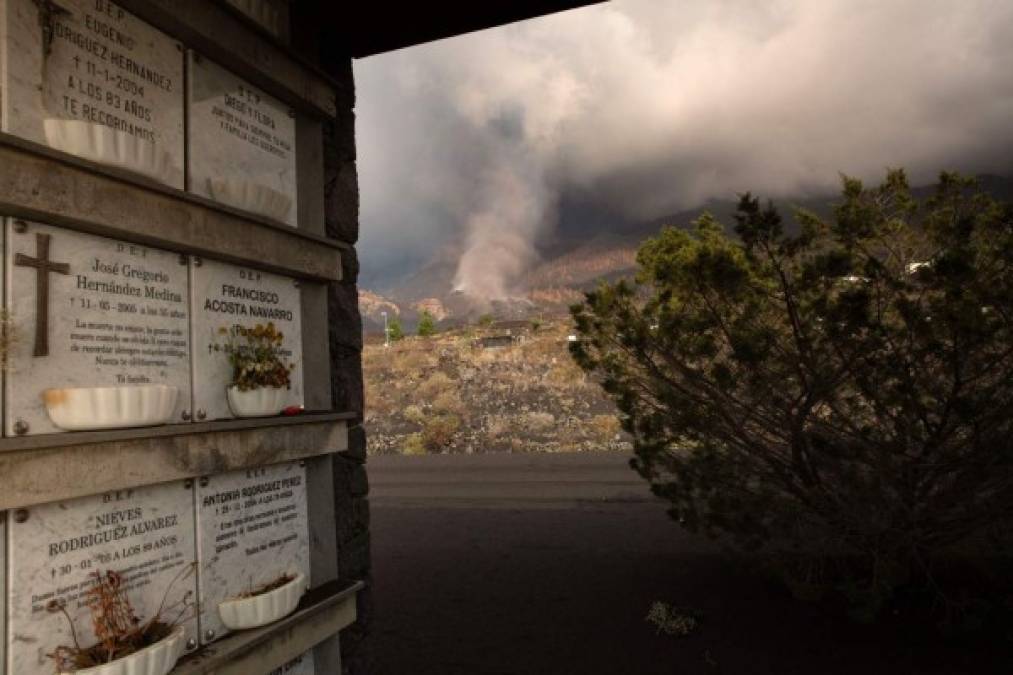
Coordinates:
column 43, row 266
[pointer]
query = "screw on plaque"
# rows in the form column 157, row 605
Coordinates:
column 209, row 634
column 188, row 484
column 186, row 415
column 197, row 261
column 204, row 481
column 191, row 645
column 21, row 515
column 183, row 259
column 20, row 226
column 20, row 427
column 201, row 414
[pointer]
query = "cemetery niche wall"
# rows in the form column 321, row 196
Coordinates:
column 156, row 204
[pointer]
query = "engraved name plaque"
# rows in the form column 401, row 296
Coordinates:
column 101, row 332
column 242, row 144
column 227, row 295
column 90, row 79
column 252, row 530
column 146, row 535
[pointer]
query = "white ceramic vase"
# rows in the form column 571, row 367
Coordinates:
column 84, row 408
column 260, row 610
column 104, row 145
column 250, row 196
column 157, row 659
column 259, row 402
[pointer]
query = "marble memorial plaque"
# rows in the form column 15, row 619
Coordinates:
column 145, row 534
column 90, row 312
column 300, row 665
column 90, row 79
column 241, row 144
column 225, row 295
column 252, row 529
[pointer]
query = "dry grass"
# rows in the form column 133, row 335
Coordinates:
column 433, row 386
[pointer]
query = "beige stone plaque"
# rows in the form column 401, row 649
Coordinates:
column 225, row 295
column 145, row 534
column 101, row 328
column 88, row 78
column 252, row 528
column 241, row 144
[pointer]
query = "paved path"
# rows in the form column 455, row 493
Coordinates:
column 518, row 565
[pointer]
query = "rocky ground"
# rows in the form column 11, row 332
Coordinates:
column 450, row 394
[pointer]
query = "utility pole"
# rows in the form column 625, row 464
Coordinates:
column 386, row 331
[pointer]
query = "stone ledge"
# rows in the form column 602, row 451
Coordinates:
column 91, row 463
column 41, row 184
column 323, row 612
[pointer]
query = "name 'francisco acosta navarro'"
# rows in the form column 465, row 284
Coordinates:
column 252, row 295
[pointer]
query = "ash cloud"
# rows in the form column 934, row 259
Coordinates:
column 647, row 107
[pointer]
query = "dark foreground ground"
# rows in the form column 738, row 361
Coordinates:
column 510, row 565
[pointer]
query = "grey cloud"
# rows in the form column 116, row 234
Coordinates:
column 648, row 107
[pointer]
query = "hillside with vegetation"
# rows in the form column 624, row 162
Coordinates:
column 450, row 393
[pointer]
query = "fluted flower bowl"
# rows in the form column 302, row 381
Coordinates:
column 156, row 659
column 105, row 145
column 250, row 196
column 259, row 402
column 83, row 408
column 262, row 609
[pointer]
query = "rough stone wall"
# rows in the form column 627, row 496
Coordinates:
column 351, row 485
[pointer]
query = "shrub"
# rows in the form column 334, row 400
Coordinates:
column 427, row 324
column 394, row 329
column 438, row 431
column 841, row 398
column 413, row 445
column 436, row 384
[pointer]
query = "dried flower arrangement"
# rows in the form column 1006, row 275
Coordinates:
column 118, row 629
column 255, row 356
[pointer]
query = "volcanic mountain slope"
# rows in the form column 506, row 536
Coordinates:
column 571, row 264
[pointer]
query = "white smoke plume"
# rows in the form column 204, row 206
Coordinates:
column 648, row 107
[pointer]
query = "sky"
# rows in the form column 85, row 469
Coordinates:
column 475, row 146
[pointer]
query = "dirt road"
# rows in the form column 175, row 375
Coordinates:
column 530, row 564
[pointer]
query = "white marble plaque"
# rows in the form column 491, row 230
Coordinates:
column 225, row 295
column 90, row 312
column 241, row 144
column 301, row 665
column 252, row 529
column 145, row 534
column 92, row 80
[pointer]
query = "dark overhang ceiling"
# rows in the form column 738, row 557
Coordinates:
column 375, row 27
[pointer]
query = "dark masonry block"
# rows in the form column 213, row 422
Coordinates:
column 341, row 202
column 354, row 559
column 359, row 481
column 343, row 312
column 356, row 444
column 349, row 267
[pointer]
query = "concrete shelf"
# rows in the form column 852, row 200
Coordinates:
column 56, row 467
column 173, row 219
column 322, row 613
